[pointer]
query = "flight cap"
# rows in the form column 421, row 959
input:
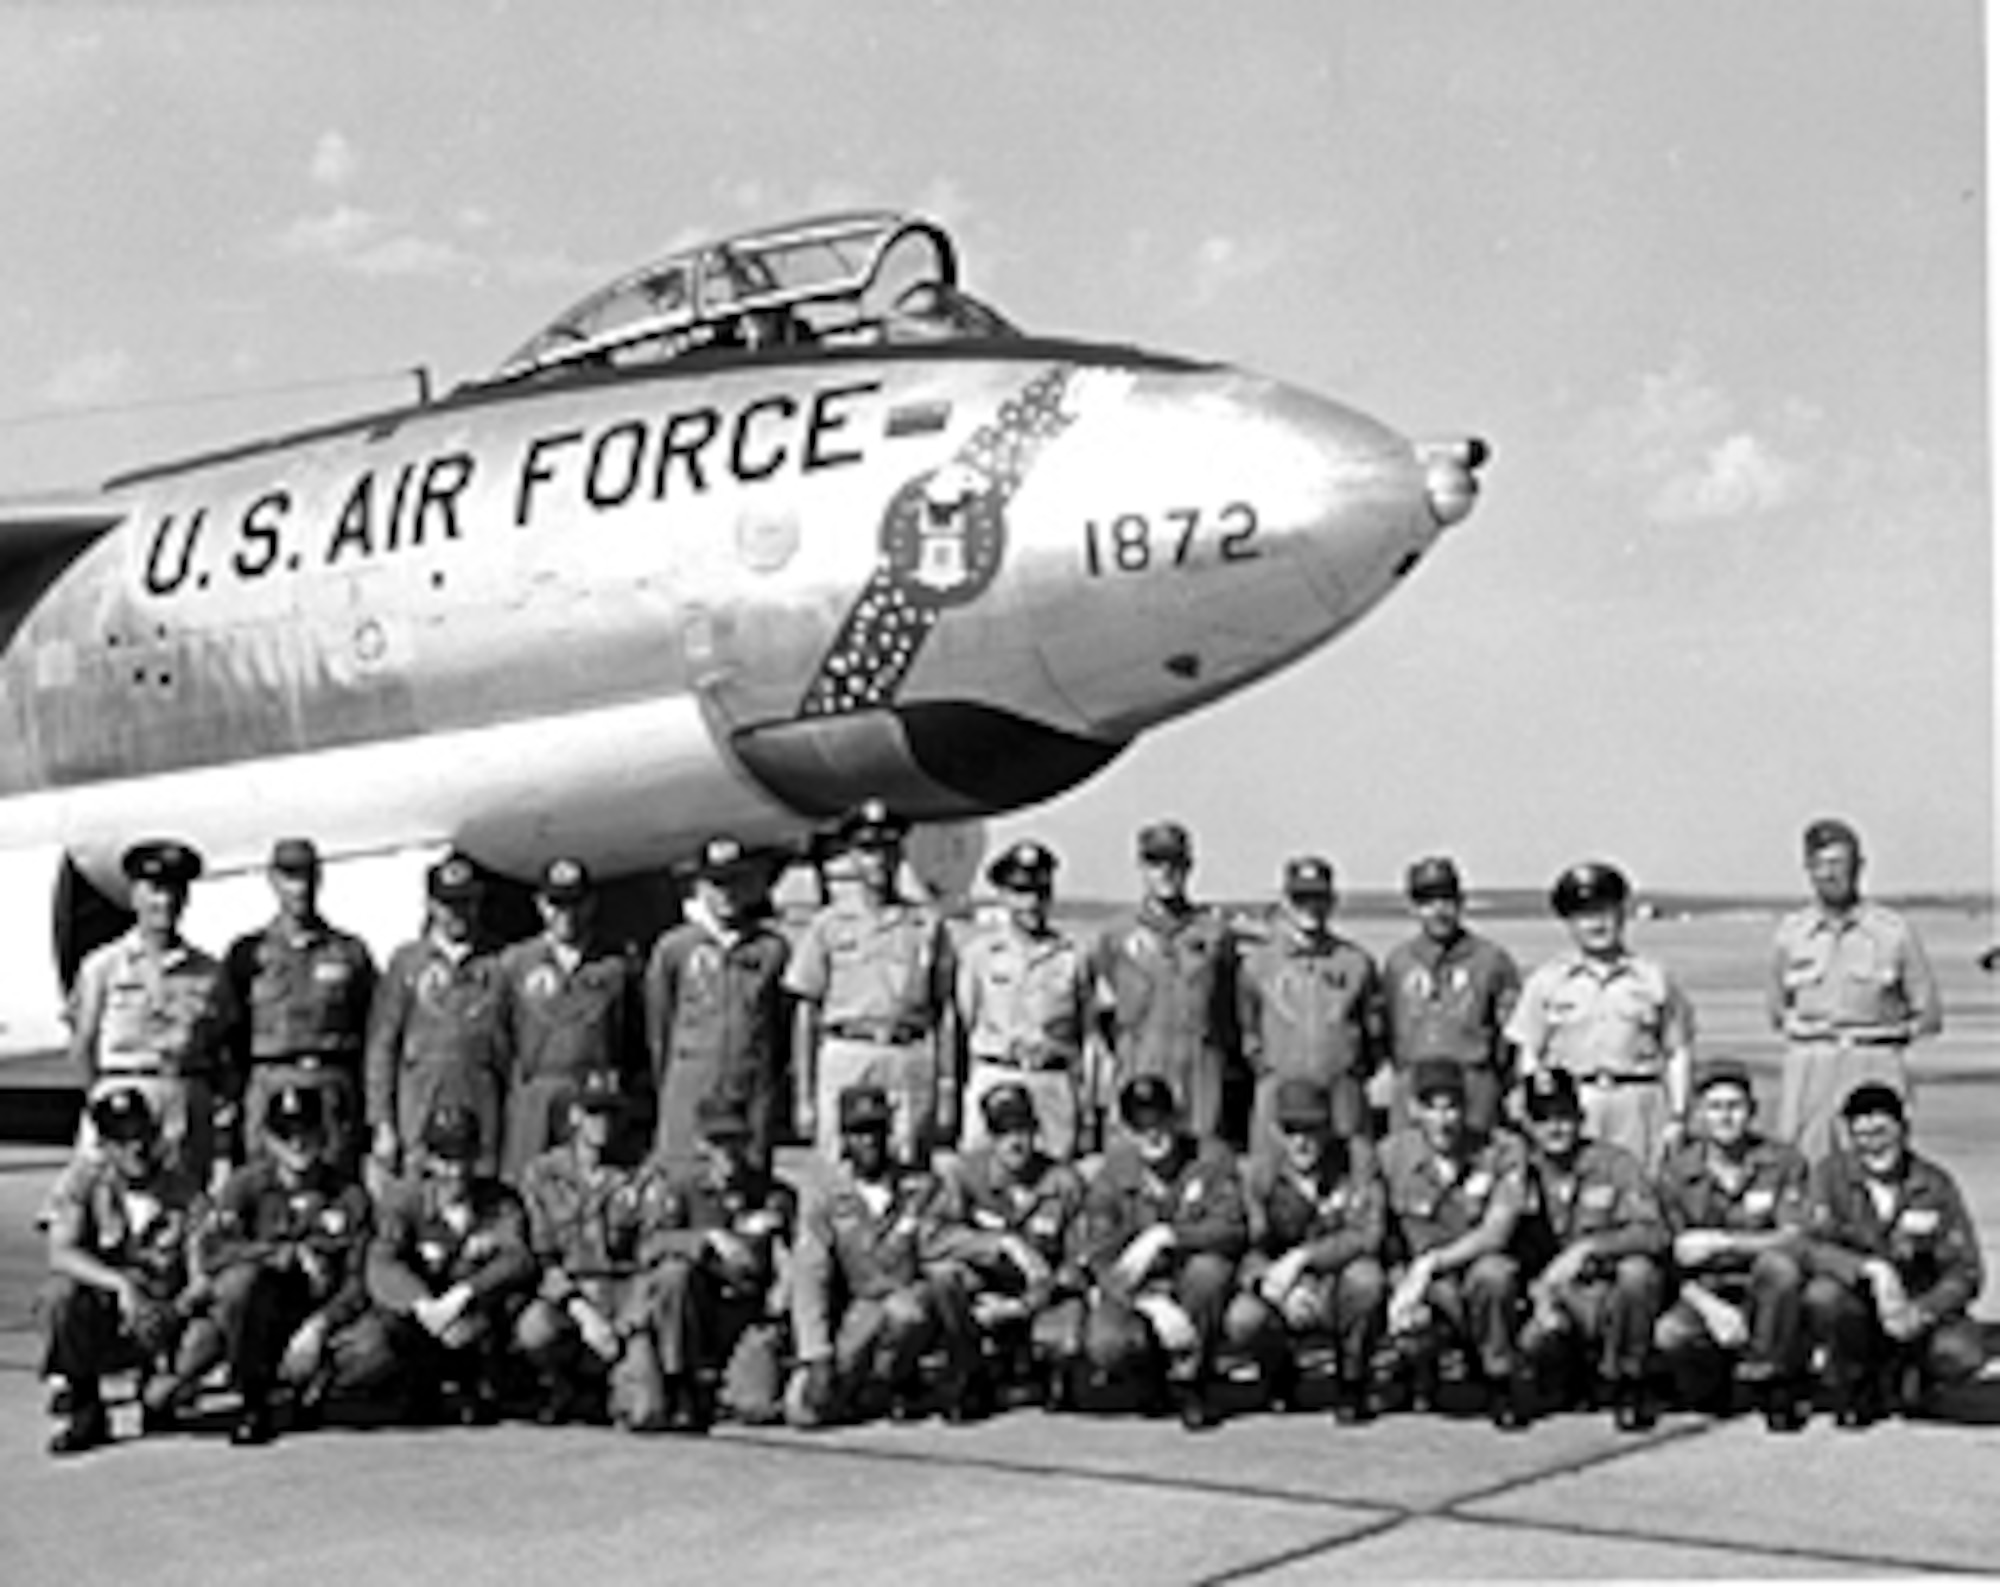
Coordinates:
column 452, row 1133
column 1433, row 876
column 1870, row 1097
column 1308, row 876
column 1829, row 832
column 1147, row 1100
column 1027, row 866
column 1304, row 1105
column 295, row 856
column 165, row 861
column 1551, row 1094
column 722, row 856
column 721, row 1119
column 872, row 825
column 1429, row 1076
column 864, row 1109
column 565, row 881
column 454, row 880
column 124, row 1115
column 1590, row 885
column 295, row 1112
column 1165, row 843
column 1723, row 1072
column 1008, row 1109
column 601, row 1091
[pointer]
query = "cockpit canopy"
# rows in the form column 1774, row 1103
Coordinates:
column 866, row 278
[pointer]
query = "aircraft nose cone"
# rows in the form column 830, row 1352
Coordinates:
column 1218, row 525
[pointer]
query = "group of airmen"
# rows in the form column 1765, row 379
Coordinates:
column 542, row 1176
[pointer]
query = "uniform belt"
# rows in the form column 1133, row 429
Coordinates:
column 301, row 1060
column 1853, row 1038
column 148, row 1069
column 1615, row 1077
column 892, row 1032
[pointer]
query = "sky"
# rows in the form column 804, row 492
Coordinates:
column 1710, row 278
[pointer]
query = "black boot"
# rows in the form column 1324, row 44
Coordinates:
column 87, row 1426
column 1510, row 1401
column 1192, row 1403
column 1632, row 1408
column 1281, row 1383
column 254, row 1424
column 1782, row 1411
column 1353, row 1403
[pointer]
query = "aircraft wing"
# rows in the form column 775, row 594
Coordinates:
column 34, row 529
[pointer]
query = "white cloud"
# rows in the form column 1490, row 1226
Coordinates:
column 337, row 233
column 1691, row 454
column 1740, row 476
column 92, row 379
column 334, row 160
column 1222, row 264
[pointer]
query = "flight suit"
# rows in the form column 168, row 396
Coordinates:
column 1764, row 1192
column 1451, row 1000
column 708, row 1310
column 567, row 1014
column 882, row 978
column 1436, row 1200
column 1024, row 1003
column 1042, row 1206
column 165, row 1026
column 147, row 1229
column 716, row 1027
column 1615, row 1027
column 1340, row 1215
column 439, row 1032
column 1602, row 1196
column 583, row 1224
column 1178, row 1307
column 870, row 1289
column 1309, row 1008
column 1848, row 991
column 305, row 999
column 421, row 1248
column 1166, row 984
column 1923, row 1230
column 276, row 1255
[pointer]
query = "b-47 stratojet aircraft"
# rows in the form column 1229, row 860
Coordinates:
column 761, row 528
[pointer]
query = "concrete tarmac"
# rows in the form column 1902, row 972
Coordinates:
column 1029, row 1498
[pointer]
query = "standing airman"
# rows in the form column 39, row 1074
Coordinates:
column 572, row 1011
column 873, row 976
column 715, row 1006
column 1616, row 1020
column 438, row 1034
column 151, row 1012
column 1850, row 988
column 1450, row 992
column 1310, row 1008
column 1167, row 986
column 305, row 989
column 1024, row 1003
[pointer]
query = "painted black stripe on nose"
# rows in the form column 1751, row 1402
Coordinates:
column 933, row 761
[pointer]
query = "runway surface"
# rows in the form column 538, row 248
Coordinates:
column 1029, row 1498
